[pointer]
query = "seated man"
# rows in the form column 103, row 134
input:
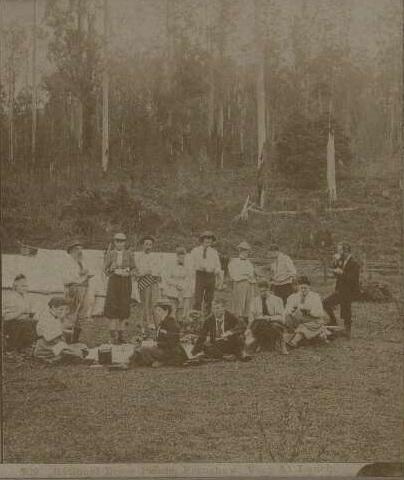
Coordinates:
column 304, row 314
column 167, row 349
column 221, row 334
column 52, row 332
column 266, row 321
column 19, row 319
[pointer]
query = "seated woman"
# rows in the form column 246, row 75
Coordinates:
column 304, row 314
column 221, row 334
column 52, row 331
column 19, row 319
column 266, row 321
column 167, row 349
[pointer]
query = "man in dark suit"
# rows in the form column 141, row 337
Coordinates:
column 221, row 334
column 346, row 288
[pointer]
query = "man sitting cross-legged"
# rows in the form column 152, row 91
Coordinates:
column 221, row 334
column 266, row 321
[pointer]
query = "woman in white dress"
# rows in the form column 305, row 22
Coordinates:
column 305, row 315
column 242, row 275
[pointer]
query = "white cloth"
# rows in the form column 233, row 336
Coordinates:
column 283, row 270
column 148, row 264
column 72, row 272
column 274, row 305
column 209, row 264
column 49, row 327
column 15, row 305
column 240, row 269
column 311, row 302
column 178, row 275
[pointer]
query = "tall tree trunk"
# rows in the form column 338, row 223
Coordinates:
column 402, row 174
column 34, row 85
column 11, row 94
column 211, row 78
column 261, row 103
column 105, row 95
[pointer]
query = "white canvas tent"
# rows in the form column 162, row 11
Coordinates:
column 44, row 275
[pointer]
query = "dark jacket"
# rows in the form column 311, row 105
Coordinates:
column 348, row 282
column 168, row 334
column 231, row 322
column 128, row 261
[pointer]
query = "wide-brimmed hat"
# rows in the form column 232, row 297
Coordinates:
column 73, row 244
column 244, row 246
column 120, row 236
column 56, row 302
column 207, row 234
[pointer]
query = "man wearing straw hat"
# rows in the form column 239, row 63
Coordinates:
column 208, row 271
column 241, row 272
column 76, row 280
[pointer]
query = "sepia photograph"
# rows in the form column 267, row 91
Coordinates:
column 202, row 237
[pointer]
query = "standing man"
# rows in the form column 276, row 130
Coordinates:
column 76, row 280
column 283, row 274
column 208, row 271
column 148, row 265
column 346, row 288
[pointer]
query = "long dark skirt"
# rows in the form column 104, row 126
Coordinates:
column 117, row 302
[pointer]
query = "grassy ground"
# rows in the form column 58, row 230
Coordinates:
column 340, row 402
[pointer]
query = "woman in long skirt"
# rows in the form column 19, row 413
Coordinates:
column 119, row 266
column 241, row 272
column 304, row 314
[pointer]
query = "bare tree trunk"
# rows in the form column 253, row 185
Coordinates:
column 261, row 103
column 402, row 175
column 211, row 95
column 11, row 94
column 34, row 85
column 105, row 95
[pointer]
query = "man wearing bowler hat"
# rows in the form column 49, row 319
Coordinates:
column 208, row 271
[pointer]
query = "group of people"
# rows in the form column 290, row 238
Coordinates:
column 279, row 314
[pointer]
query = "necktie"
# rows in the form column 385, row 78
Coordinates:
column 264, row 306
column 205, row 251
column 220, row 327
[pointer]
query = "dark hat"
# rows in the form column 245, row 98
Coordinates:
column 56, row 302
column 303, row 280
column 263, row 283
column 165, row 305
column 181, row 251
column 72, row 244
column 207, row 234
column 147, row 237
